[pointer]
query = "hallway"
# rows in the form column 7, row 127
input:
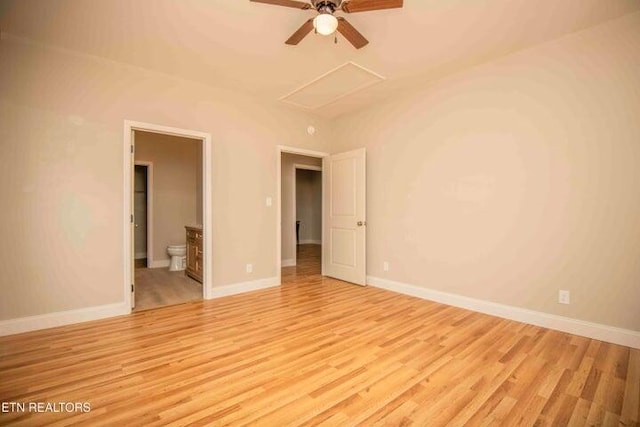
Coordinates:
column 308, row 263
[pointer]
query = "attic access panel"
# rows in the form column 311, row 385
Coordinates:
column 332, row 86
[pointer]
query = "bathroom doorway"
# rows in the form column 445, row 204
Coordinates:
column 168, row 193
column 175, row 192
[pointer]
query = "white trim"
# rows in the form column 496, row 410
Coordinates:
column 160, row 263
column 129, row 127
column 291, row 262
column 310, row 242
column 279, row 213
column 207, row 215
column 61, row 318
column 583, row 328
column 291, row 150
column 149, row 166
column 242, row 287
column 294, row 212
column 301, row 151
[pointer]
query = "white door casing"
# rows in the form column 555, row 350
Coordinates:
column 344, row 216
column 131, row 225
column 207, row 202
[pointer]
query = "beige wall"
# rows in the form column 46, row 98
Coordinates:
column 506, row 182
column 515, row 179
column 61, row 134
column 175, row 186
column 288, row 221
column 309, row 205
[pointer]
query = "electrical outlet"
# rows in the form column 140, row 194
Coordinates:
column 249, row 268
column 564, row 297
column 385, row 266
column 269, row 202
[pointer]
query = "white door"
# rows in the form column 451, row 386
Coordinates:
column 344, row 216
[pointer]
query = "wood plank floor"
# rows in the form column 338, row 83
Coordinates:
column 318, row 351
column 157, row 287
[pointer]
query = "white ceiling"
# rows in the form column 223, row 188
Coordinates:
column 240, row 45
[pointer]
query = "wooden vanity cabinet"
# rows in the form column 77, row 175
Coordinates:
column 195, row 261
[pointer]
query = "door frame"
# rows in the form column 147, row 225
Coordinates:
column 149, row 166
column 207, row 204
column 280, row 149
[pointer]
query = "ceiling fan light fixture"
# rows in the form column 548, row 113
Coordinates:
column 325, row 24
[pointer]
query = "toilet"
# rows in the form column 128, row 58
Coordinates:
column 178, row 254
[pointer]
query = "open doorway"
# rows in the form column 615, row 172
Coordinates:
column 300, row 212
column 344, row 221
column 168, row 208
column 174, row 190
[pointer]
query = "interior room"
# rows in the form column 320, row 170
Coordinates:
column 308, row 206
column 475, row 259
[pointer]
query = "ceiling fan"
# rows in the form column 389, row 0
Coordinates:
column 327, row 23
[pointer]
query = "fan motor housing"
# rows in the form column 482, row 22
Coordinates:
column 326, row 6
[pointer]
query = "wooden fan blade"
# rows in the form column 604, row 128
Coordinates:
column 353, row 6
column 351, row 34
column 301, row 33
column 286, row 3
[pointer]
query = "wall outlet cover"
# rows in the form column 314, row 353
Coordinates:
column 564, row 297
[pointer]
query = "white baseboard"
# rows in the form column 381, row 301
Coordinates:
column 310, row 242
column 240, row 288
column 140, row 255
column 288, row 263
column 159, row 264
column 583, row 328
column 61, row 318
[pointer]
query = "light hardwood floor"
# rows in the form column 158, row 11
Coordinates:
column 319, row 351
column 157, row 287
